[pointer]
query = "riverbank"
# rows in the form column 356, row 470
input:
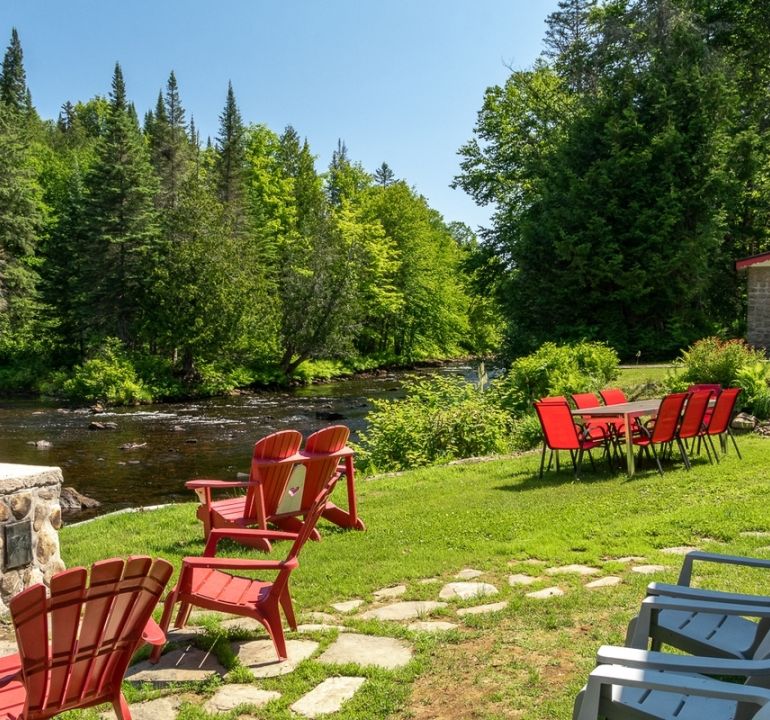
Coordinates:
column 529, row 656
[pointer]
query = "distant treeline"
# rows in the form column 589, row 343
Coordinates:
column 628, row 170
column 136, row 237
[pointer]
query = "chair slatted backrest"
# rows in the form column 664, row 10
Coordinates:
column 321, row 458
column 269, row 477
column 667, row 419
column 723, row 411
column 694, row 412
column 613, row 396
column 76, row 645
column 585, row 400
column 558, row 426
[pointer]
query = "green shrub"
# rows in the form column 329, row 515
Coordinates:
column 730, row 363
column 110, row 377
column 526, row 432
column 441, row 418
column 556, row 370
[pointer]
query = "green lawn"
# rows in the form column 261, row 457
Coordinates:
column 530, row 659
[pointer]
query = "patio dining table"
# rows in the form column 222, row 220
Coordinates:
column 628, row 411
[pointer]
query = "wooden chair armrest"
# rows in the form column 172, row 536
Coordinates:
column 239, row 564
column 153, row 634
column 200, row 483
column 685, row 576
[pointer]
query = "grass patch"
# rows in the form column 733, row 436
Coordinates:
column 530, row 659
column 634, row 378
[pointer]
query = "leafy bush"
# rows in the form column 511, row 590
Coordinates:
column 731, row 363
column 441, row 418
column 556, row 370
column 109, row 377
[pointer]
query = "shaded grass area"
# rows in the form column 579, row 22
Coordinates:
column 637, row 378
column 530, row 659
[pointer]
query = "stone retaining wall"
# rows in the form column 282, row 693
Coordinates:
column 29, row 492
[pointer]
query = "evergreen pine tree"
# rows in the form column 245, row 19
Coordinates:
column 384, row 175
column 231, row 147
column 568, row 42
column 122, row 224
column 13, row 81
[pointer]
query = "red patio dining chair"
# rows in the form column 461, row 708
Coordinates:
column 721, row 417
column 664, row 430
column 613, row 396
column 691, row 425
column 560, row 432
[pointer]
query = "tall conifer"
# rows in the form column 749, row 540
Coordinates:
column 13, row 81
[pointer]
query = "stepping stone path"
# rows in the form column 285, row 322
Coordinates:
column 680, row 550
column 384, row 652
column 483, row 609
column 389, row 593
column 327, row 697
column 573, row 570
column 403, row 610
column 609, row 581
column 348, row 606
column 466, row 590
column 546, row 593
column 320, row 627
column 260, row 658
column 468, row 574
column 521, row 579
column 648, row 569
column 431, row 626
column 230, row 696
column 184, row 665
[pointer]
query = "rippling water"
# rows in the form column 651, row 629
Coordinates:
column 178, row 441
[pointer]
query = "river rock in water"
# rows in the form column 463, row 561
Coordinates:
column 70, row 499
column 102, row 425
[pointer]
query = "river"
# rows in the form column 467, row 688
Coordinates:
column 156, row 448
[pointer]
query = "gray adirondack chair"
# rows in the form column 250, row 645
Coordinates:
column 632, row 684
column 703, row 621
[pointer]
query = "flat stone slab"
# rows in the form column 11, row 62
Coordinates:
column 260, row 658
column 384, row 652
column 521, row 579
column 546, row 593
column 679, row 550
column 609, row 581
column 468, row 574
column 631, row 559
column 466, row 590
column 483, row 609
column 431, row 626
column 328, row 697
column 320, row 627
column 182, row 665
column 246, row 624
column 229, row 697
column 348, row 606
column 573, row 570
column 648, row 569
column 532, row 561
column 755, row 533
column 403, row 610
column 164, row 708
column 390, row 592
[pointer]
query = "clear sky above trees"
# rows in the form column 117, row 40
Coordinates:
column 400, row 81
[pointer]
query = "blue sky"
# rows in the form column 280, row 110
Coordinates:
column 399, row 81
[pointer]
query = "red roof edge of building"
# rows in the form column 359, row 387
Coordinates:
column 743, row 263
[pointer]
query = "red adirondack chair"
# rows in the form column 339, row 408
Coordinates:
column 268, row 481
column 75, row 646
column 204, row 582
column 283, row 484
